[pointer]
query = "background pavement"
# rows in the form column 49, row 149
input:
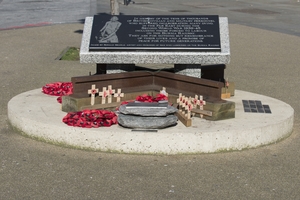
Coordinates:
column 264, row 61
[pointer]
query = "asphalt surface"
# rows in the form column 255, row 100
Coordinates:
column 264, row 59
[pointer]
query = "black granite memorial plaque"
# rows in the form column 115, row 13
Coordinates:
column 178, row 33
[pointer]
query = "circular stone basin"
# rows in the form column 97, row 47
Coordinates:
column 40, row 116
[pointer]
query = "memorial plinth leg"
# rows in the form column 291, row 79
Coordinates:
column 101, row 68
column 114, row 68
column 213, row 72
column 193, row 70
column 119, row 68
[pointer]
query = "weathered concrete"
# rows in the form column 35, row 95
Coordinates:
column 246, row 130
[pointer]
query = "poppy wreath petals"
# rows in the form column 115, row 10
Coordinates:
column 58, row 89
column 90, row 118
column 148, row 98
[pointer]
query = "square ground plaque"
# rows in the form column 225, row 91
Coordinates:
column 152, row 32
column 255, row 106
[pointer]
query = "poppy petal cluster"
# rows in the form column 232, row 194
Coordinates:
column 148, row 98
column 91, row 118
column 58, row 89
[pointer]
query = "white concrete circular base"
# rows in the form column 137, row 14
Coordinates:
column 39, row 115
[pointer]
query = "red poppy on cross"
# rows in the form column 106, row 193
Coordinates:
column 92, row 92
column 201, row 104
column 119, row 95
column 109, row 95
column 103, row 94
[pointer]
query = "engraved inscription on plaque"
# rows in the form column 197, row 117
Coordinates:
column 134, row 32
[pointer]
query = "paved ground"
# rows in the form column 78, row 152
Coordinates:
column 262, row 61
column 279, row 15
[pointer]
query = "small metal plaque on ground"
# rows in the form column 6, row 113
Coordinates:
column 155, row 33
column 255, row 106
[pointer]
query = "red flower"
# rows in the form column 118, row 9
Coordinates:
column 160, row 97
column 148, row 98
column 58, row 89
column 144, row 98
column 90, row 118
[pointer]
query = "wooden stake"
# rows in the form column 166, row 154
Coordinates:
column 164, row 91
column 183, row 119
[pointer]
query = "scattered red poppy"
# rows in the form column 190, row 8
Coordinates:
column 90, row 118
column 148, row 98
column 58, row 89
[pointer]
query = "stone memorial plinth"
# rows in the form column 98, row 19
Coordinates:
column 187, row 60
column 147, row 116
column 147, row 111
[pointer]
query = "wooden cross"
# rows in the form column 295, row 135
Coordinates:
column 179, row 99
column 181, row 114
column 164, row 91
column 182, row 100
column 189, row 108
column 227, row 83
column 226, row 94
column 110, row 92
column 103, row 94
column 119, row 95
column 182, row 104
column 92, row 92
column 195, row 100
column 186, row 105
column 201, row 104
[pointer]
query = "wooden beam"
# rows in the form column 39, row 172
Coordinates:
column 183, row 119
column 202, row 112
column 175, row 83
column 108, row 106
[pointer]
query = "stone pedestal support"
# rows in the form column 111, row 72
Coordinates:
column 193, row 70
column 114, row 68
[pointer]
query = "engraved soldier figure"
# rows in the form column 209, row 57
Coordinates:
column 108, row 32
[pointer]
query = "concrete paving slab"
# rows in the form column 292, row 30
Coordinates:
column 280, row 16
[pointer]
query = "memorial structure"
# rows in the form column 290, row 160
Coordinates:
column 187, row 42
column 258, row 120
